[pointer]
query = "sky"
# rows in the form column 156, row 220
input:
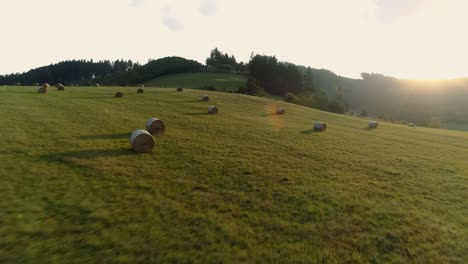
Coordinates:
column 413, row 39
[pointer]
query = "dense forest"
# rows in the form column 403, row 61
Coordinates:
column 427, row 103
column 69, row 72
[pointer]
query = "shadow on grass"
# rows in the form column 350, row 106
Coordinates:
column 196, row 114
column 19, row 92
column 308, row 132
column 64, row 157
column 108, row 136
column 94, row 97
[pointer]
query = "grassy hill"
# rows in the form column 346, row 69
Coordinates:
column 221, row 81
column 242, row 186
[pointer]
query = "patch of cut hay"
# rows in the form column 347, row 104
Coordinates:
column 155, row 126
column 205, row 98
column 320, row 126
column 141, row 141
column 213, row 110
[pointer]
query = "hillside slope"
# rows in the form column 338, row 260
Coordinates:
column 220, row 81
column 242, row 186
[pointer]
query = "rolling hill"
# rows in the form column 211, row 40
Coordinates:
column 224, row 82
column 242, row 186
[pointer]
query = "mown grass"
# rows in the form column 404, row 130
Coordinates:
column 244, row 186
column 224, row 82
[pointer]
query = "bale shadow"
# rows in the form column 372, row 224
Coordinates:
column 196, row 114
column 308, row 132
column 108, row 136
column 369, row 128
column 64, row 157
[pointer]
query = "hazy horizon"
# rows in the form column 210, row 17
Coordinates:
column 417, row 40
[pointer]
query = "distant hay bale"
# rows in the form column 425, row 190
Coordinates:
column 213, row 110
column 180, row 89
column 141, row 141
column 45, row 85
column 97, row 85
column 42, row 90
column 373, row 124
column 35, row 84
column 411, row 124
column 320, row 126
column 118, row 95
column 142, row 85
column 280, row 111
column 155, row 126
column 60, row 87
column 140, row 91
column 205, row 98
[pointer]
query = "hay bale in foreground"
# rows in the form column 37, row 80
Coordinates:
column 60, row 87
column 140, row 91
column 141, row 141
column 45, row 85
column 213, row 110
column 155, row 126
column 205, row 98
column 280, row 111
column 373, row 124
column 42, row 90
column 118, row 95
column 320, row 126
column 180, row 89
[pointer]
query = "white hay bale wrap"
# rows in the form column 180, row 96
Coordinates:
column 320, row 126
column 60, row 87
column 213, row 110
column 45, row 85
column 141, row 141
column 373, row 124
column 280, row 111
column 155, row 126
column 205, row 98
column 97, row 85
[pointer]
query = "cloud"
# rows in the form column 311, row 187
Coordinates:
column 391, row 10
column 170, row 21
column 208, row 7
column 137, row 3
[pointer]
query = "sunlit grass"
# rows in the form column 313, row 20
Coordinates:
column 241, row 186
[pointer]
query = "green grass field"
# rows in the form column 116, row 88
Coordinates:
column 224, row 82
column 244, row 186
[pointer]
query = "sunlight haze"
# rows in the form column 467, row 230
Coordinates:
column 421, row 39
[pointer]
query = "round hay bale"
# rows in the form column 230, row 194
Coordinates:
column 42, row 90
column 142, row 85
column 411, row 124
column 141, row 141
column 140, row 91
column 45, row 85
column 213, row 110
column 155, row 127
column 205, row 98
column 60, row 87
column 97, row 85
column 118, row 95
column 373, row 124
column 320, row 126
column 280, row 111
column 180, row 89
